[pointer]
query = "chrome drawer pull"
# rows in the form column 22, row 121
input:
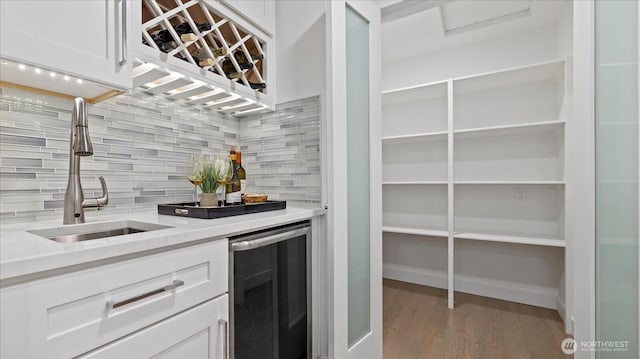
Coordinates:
column 181, row 211
column 113, row 304
column 123, row 37
column 225, row 343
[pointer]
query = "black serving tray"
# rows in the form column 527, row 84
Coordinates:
column 189, row 210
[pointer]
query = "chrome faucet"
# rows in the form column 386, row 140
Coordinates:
column 74, row 202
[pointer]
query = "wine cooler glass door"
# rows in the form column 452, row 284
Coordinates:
column 269, row 296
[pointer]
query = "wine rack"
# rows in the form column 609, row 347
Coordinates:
column 238, row 81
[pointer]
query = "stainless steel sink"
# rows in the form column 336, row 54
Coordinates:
column 89, row 231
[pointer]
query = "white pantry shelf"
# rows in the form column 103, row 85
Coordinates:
column 432, row 232
column 534, row 73
column 415, row 93
column 413, row 182
column 414, row 136
column 524, row 128
column 512, row 238
column 512, row 182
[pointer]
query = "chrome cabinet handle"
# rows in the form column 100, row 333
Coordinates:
column 123, row 42
column 265, row 241
column 113, row 304
column 225, row 343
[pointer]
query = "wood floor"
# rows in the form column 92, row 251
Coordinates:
column 417, row 324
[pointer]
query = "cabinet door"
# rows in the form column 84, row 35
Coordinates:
column 201, row 332
column 261, row 12
column 101, row 304
column 82, row 38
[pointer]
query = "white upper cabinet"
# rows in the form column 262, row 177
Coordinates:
column 261, row 12
column 87, row 39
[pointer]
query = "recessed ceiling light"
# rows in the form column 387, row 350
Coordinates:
column 52, row 74
column 79, row 81
column 22, row 67
column 37, row 70
column 5, row 63
column 66, row 77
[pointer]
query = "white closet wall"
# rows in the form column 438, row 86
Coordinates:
column 500, row 52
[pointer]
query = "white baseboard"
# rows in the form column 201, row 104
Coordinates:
column 562, row 309
column 421, row 276
column 514, row 292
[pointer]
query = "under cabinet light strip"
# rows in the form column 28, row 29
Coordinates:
column 176, row 83
column 208, row 98
column 195, row 91
column 245, row 112
column 222, row 101
column 239, row 107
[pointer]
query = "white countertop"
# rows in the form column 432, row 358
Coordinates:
column 23, row 253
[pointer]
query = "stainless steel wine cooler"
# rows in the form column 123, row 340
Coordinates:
column 269, row 294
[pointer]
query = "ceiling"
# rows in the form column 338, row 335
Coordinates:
column 460, row 22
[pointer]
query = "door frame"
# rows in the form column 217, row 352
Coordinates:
column 370, row 346
column 582, row 177
column 582, row 318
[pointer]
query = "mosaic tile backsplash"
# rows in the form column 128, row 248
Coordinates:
column 281, row 151
column 140, row 147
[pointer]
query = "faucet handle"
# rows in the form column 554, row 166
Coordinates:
column 99, row 202
column 104, row 200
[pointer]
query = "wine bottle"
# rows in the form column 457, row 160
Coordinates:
column 243, row 65
column 164, row 37
column 219, row 52
column 202, row 58
column 257, row 85
column 230, row 70
column 163, row 45
column 254, row 85
column 242, row 174
column 183, row 30
column 233, row 187
column 242, row 59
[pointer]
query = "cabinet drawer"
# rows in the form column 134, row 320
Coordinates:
column 200, row 332
column 73, row 313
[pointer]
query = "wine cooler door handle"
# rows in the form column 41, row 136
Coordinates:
column 123, row 39
column 175, row 284
column 265, row 241
column 225, row 338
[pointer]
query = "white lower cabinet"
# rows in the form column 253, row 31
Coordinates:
column 71, row 314
column 200, row 332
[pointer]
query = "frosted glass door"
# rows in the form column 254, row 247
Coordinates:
column 357, row 57
column 354, row 215
column 617, row 176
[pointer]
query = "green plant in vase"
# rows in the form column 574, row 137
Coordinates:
column 209, row 186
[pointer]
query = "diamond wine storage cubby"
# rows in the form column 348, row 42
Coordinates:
column 204, row 54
